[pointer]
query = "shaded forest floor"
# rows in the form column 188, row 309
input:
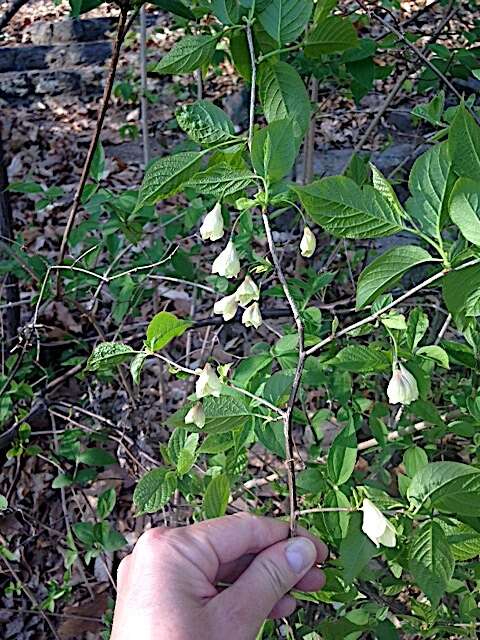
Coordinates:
column 45, row 138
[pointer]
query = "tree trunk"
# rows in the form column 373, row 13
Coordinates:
column 11, row 314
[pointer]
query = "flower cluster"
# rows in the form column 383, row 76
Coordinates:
column 227, row 265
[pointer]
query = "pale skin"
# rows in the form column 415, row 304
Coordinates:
column 168, row 587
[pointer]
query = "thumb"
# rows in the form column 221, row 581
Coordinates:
column 269, row 577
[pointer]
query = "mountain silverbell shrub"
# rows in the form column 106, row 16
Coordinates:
column 424, row 529
column 370, row 408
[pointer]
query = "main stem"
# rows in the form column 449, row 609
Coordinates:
column 122, row 29
column 288, row 414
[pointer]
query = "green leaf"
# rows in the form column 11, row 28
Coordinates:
column 381, row 184
column 451, row 487
column 188, row 54
column 430, row 182
column 154, row 490
column 464, row 144
column 435, row 353
column 431, row 111
column 166, row 175
column 274, row 149
column 336, row 522
column 342, row 455
column 222, row 414
column 458, row 286
column 347, row 211
column 187, row 455
column 176, row 7
column 98, row 163
column 240, row 54
column 3, row 502
column 108, row 355
column 278, row 387
column 111, row 540
column 216, row 497
column 416, row 327
column 25, row 187
column 334, row 34
column 84, row 532
column 106, row 503
column 463, row 540
column 221, row 181
column 205, row 123
column 431, row 561
column 136, row 366
column 360, row 359
column 96, row 457
column 284, row 20
column 414, row 459
column 386, row 270
column 283, row 94
column 356, row 550
column 465, row 209
column 227, row 11
column 163, row 328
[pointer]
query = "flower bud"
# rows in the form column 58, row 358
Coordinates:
column 226, row 307
column 247, row 292
column 308, row 243
column 402, row 387
column 212, row 226
column 227, row 263
column 376, row 526
column 196, row 416
column 252, row 317
column 208, row 383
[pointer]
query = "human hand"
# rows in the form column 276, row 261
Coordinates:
column 167, row 587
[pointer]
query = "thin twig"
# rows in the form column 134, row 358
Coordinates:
column 287, row 418
column 399, row 84
column 253, row 80
column 123, row 26
column 419, row 53
column 143, row 86
column 400, row 299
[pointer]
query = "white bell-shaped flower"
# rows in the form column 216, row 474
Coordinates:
column 308, row 244
column 226, row 307
column 227, row 263
column 212, row 226
column 376, row 526
column 402, row 387
column 196, row 416
column 247, row 292
column 208, row 383
column 252, row 317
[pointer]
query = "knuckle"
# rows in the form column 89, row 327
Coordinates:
column 149, row 540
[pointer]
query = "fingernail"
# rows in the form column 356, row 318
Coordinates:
column 300, row 554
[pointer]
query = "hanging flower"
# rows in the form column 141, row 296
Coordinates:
column 376, row 526
column 252, row 317
column 196, row 416
column 226, row 307
column 208, row 383
column 227, row 263
column 402, row 387
column 247, row 292
column 212, row 226
column 308, row 243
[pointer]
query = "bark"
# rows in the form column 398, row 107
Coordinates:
column 11, row 314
